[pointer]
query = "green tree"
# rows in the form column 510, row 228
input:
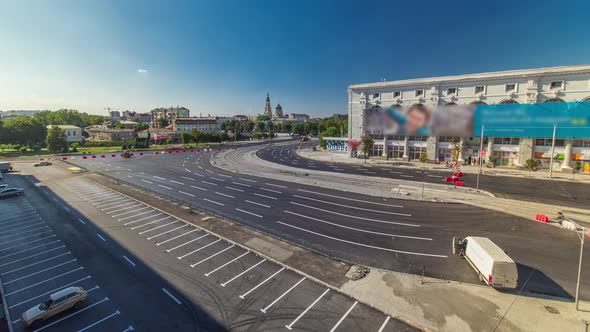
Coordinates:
column 56, row 139
column 531, row 164
column 262, row 117
column 23, row 130
column 423, row 159
column 163, row 122
column 366, row 145
column 186, row 137
column 140, row 126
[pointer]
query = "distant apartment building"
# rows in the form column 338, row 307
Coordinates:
column 170, row 114
column 110, row 134
column 209, row 124
column 240, row 117
column 128, row 124
column 297, row 117
column 73, row 133
column 17, row 113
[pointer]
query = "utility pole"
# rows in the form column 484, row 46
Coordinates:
column 236, row 135
column 552, row 152
column 480, row 157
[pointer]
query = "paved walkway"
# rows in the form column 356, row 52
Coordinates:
column 433, row 304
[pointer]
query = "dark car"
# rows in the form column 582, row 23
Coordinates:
column 9, row 192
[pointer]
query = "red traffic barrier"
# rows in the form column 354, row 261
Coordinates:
column 541, row 218
column 454, row 174
column 460, row 183
column 192, row 150
column 141, row 153
column 460, row 174
column 131, row 154
column 183, row 151
column 113, row 155
column 156, row 152
column 102, row 156
column 64, row 158
column 84, row 157
column 169, row 151
column 448, row 179
column 198, row 150
column 218, row 149
column 93, row 157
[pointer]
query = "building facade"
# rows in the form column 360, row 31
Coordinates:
column 554, row 84
column 110, row 134
column 170, row 114
column 267, row 108
column 209, row 125
column 73, row 133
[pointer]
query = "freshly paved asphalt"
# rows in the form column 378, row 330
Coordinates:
column 405, row 236
column 570, row 194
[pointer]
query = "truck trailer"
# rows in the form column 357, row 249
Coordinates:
column 492, row 264
column 5, row 167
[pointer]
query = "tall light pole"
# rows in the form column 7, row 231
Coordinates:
column 581, row 236
column 480, row 157
column 552, row 152
column 269, row 133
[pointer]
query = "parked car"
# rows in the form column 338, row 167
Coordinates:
column 3, row 186
column 42, row 163
column 65, row 299
column 9, row 192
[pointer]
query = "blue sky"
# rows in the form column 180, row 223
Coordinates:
column 222, row 57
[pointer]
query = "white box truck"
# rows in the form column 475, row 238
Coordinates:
column 491, row 263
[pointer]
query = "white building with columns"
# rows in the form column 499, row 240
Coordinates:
column 542, row 85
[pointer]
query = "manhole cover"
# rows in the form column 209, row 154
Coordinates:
column 551, row 309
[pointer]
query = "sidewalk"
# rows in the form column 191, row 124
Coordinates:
column 339, row 157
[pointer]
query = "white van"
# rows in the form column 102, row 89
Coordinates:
column 491, row 263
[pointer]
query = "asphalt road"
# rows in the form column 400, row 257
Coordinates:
column 570, row 194
column 405, row 236
column 45, row 247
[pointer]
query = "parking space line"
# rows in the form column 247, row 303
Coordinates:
column 73, row 314
column 21, row 226
column 149, row 223
column 102, row 238
column 208, row 200
column 116, row 208
column 226, row 264
column 100, row 321
column 241, row 184
column 243, row 272
column 23, row 238
column 112, row 201
column 165, row 187
column 254, row 214
column 158, row 177
column 12, row 235
column 344, row 316
column 33, row 264
column 275, row 185
column 184, row 177
column 290, row 326
column 227, row 176
column 247, row 180
column 182, row 192
column 166, row 232
column 144, row 218
column 226, row 195
column 282, row 295
column 53, row 291
column 129, row 261
column 270, row 190
column 215, row 254
column 209, row 183
column 384, row 323
column 362, row 244
column 146, row 181
column 351, row 199
column 265, row 196
column 19, row 218
column 200, row 188
column 40, row 271
column 176, row 237
column 157, row 227
column 82, row 221
column 234, row 189
column 256, row 203
column 34, row 255
column 29, row 249
column 171, row 296
column 199, row 249
column 353, row 207
column 44, row 281
column 177, row 182
column 138, row 209
column 184, row 244
column 201, row 175
column 216, row 179
column 262, row 283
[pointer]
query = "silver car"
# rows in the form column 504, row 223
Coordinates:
column 9, row 192
column 71, row 297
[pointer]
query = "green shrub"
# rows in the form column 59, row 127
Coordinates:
column 23, row 149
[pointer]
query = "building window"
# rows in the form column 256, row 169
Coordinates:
column 479, row 89
column 451, row 91
column 507, row 140
column 397, row 138
column 418, row 138
column 377, row 150
column 556, row 85
column 584, row 143
column 395, row 151
column 510, row 87
column 376, row 95
column 449, row 139
column 419, row 92
column 415, row 152
column 548, row 141
column 397, row 94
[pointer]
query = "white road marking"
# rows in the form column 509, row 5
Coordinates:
column 435, row 176
column 199, row 249
column 275, row 185
column 270, row 190
column 40, row 271
column 384, row 323
column 355, row 217
column 73, row 314
column 256, row 203
column 241, row 184
column 235, row 189
column 110, row 209
column 182, row 192
column 166, row 232
column 144, row 218
column 177, row 182
column 16, row 234
column 178, row 236
column 359, row 229
column 351, row 199
column 28, row 243
column 223, row 284
column 254, row 214
column 216, row 179
column 100, row 321
column 102, row 238
column 34, row 255
column 227, row 176
column 203, row 189
column 29, row 249
column 82, row 221
column 290, row 326
column 395, row 172
column 201, row 175
column 159, row 185
column 44, row 281
column 247, row 180
column 184, row 244
column 406, row 176
column 265, row 196
column 362, row 244
column 158, row 227
column 210, row 183
column 208, row 171
column 149, row 210
column 226, row 264
column 23, row 238
column 344, row 316
column 215, row 254
column 21, row 227
column 226, row 195
column 111, row 200
column 184, row 177
column 37, row 262
column 157, row 177
column 214, row 202
column 171, row 296
column 53, row 291
column 129, row 261
column 260, row 284
column 149, row 223
column 354, row 207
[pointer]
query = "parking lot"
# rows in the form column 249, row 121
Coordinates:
column 249, row 291
column 35, row 262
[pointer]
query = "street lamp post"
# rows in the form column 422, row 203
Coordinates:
column 480, row 157
column 581, row 237
column 552, row 152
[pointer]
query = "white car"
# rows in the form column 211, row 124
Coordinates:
column 71, row 297
column 42, row 163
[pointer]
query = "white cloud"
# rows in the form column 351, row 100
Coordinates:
column 141, row 70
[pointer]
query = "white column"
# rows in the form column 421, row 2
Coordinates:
column 461, row 157
column 567, row 158
column 490, row 149
column 385, row 146
column 406, row 150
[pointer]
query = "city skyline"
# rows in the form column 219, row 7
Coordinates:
column 222, row 58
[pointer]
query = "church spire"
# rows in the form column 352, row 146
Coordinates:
column 267, row 108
